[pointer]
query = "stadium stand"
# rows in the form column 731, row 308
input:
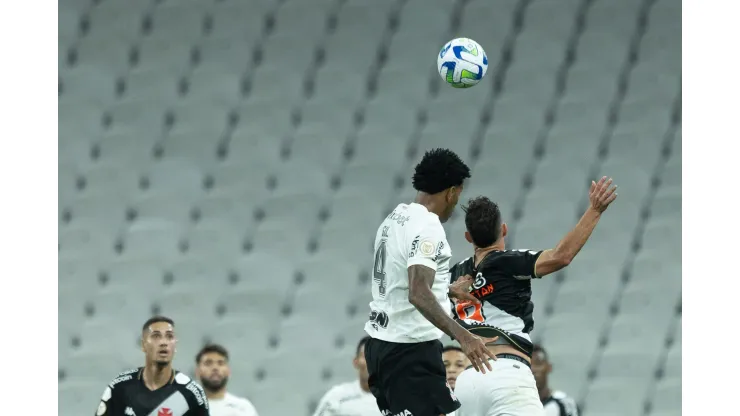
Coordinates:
column 225, row 162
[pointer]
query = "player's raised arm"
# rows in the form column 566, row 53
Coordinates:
column 600, row 196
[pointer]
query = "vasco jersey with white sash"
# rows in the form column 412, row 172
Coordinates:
column 503, row 285
column 127, row 395
column 410, row 235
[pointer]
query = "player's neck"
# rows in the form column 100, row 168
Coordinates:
column 216, row 394
column 480, row 253
column 545, row 393
column 430, row 203
column 156, row 376
column 365, row 385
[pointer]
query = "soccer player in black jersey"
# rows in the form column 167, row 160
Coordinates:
column 555, row 402
column 155, row 389
column 503, row 285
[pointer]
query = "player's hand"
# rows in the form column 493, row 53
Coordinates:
column 460, row 290
column 475, row 348
column 602, row 194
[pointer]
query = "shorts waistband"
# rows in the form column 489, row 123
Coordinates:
column 510, row 357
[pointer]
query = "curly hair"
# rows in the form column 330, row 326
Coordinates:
column 438, row 170
column 483, row 221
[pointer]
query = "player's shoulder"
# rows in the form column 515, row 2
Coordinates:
column 342, row 391
column 502, row 257
column 241, row 402
column 561, row 396
column 190, row 388
column 124, row 377
column 461, row 268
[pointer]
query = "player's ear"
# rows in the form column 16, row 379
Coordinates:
column 468, row 237
column 504, row 230
column 355, row 363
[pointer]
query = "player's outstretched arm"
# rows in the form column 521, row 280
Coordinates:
column 600, row 196
column 421, row 279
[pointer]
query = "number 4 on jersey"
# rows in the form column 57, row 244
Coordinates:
column 379, row 269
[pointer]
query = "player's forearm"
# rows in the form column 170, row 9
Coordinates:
column 426, row 303
column 574, row 241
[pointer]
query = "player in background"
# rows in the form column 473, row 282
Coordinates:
column 212, row 370
column 410, row 286
column 556, row 403
column 351, row 398
column 455, row 363
column 503, row 284
column 156, row 388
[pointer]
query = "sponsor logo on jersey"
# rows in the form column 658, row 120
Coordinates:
column 385, row 231
column 483, row 292
column 119, row 380
column 414, row 246
column 378, row 319
column 406, row 412
column 479, row 281
column 195, row 389
column 131, row 371
column 398, row 218
column 440, row 247
column 129, row 412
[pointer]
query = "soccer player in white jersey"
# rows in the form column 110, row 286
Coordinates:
column 503, row 284
column 410, row 307
column 212, row 369
column 351, row 398
column 555, row 402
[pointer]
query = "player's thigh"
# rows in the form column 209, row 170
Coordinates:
column 418, row 383
column 469, row 395
column 514, row 391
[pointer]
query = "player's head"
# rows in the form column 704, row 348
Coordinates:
column 158, row 340
column 483, row 222
column 455, row 363
column 359, row 361
column 212, row 367
column 541, row 366
column 440, row 175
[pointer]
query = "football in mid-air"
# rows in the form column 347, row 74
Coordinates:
column 462, row 63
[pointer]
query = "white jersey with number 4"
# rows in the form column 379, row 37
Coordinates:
column 410, row 235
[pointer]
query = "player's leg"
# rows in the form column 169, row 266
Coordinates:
column 373, row 358
column 512, row 390
column 473, row 402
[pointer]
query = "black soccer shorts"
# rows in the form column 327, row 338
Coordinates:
column 409, row 378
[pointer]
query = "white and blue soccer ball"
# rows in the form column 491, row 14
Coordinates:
column 462, row 63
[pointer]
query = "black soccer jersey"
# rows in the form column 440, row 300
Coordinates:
column 503, row 285
column 127, row 395
column 559, row 404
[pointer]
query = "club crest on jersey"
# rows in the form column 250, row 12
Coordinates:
column 165, row 411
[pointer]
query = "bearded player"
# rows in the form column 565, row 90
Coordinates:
column 213, row 371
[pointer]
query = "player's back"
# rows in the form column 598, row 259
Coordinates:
column 410, row 235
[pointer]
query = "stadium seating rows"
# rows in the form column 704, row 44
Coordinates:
column 226, row 162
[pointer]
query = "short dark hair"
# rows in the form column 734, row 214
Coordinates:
column 209, row 348
column 362, row 343
column 483, row 221
column 539, row 348
column 438, row 170
column 452, row 348
column 156, row 319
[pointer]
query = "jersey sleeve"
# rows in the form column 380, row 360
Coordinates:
column 198, row 400
column 521, row 263
column 110, row 403
column 426, row 245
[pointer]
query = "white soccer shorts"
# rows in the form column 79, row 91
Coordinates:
column 508, row 390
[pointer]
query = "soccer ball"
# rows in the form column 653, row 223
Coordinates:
column 462, row 63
